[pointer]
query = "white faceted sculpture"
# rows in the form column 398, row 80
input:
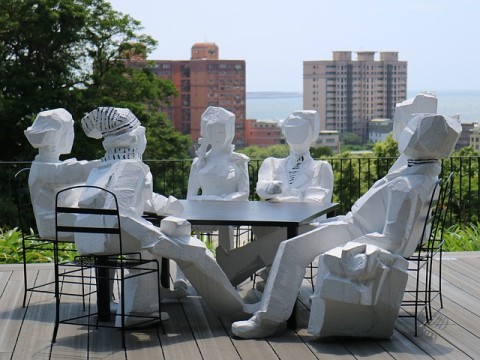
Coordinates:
column 388, row 216
column 217, row 171
column 220, row 173
column 359, row 292
column 423, row 103
column 298, row 177
column 52, row 134
column 124, row 173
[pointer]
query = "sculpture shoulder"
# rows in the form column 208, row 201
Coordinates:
column 322, row 163
column 239, row 158
column 273, row 162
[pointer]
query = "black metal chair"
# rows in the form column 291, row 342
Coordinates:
column 420, row 294
column 94, row 273
column 33, row 246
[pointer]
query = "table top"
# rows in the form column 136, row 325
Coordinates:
column 264, row 213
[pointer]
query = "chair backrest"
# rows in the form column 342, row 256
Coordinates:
column 441, row 211
column 26, row 217
column 96, row 223
column 437, row 213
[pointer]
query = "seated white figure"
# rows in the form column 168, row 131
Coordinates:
column 388, row 216
column 52, row 134
column 360, row 287
column 219, row 173
column 295, row 178
column 359, row 292
column 123, row 172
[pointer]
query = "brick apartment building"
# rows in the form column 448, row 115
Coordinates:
column 263, row 133
column 349, row 93
column 204, row 80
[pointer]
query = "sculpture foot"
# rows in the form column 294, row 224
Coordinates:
column 254, row 328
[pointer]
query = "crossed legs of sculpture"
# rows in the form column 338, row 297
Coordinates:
column 286, row 275
column 197, row 263
column 240, row 263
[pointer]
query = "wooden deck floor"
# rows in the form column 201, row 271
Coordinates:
column 193, row 332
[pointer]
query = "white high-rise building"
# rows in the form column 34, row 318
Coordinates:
column 349, row 93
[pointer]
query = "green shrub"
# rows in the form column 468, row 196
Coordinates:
column 462, row 237
column 11, row 249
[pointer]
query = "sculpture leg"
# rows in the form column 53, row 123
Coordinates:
column 141, row 294
column 203, row 272
column 240, row 263
column 286, row 276
column 225, row 237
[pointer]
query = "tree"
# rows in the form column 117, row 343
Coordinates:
column 38, row 62
column 71, row 54
column 386, row 148
column 321, row 152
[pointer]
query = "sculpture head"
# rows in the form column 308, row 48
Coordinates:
column 217, row 127
column 424, row 102
column 124, row 137
column 429, row 136
column 300, row 129
column 52, row 134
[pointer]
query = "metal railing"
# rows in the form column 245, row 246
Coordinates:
column 353, row 177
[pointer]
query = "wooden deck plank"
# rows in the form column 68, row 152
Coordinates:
column 37, row 326
column 4, row 277
column 72, row 340
column 429, row 341
column 194, row 332
column 178, row 341
column 212, row 338
column 11, row 313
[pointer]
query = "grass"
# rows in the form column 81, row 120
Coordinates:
column 11, row 251
column 457, row 238
column 462, row 237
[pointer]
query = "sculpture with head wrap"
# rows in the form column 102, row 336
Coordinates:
column 387, row 217
column 123, row 172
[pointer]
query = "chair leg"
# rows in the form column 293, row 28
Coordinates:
column 25, row 283
column 57, row 293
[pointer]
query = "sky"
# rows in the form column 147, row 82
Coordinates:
column 438, row 38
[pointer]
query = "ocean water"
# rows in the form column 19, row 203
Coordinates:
column 277, row 106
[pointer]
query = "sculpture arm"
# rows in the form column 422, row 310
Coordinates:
column 193, row 184
column 322, row 184
column 403, row 209
column 268, row 185
column 243, row 180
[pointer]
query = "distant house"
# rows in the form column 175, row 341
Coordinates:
column 330, row 139
column 262, row 133
column 378, row 129
column 465, row 135
column 474, row 137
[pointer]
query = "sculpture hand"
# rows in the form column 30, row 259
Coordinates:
column 275, row 187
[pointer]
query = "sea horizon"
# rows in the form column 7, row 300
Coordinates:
column 277, row 105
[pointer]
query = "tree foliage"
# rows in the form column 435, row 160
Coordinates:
column 71, row 54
